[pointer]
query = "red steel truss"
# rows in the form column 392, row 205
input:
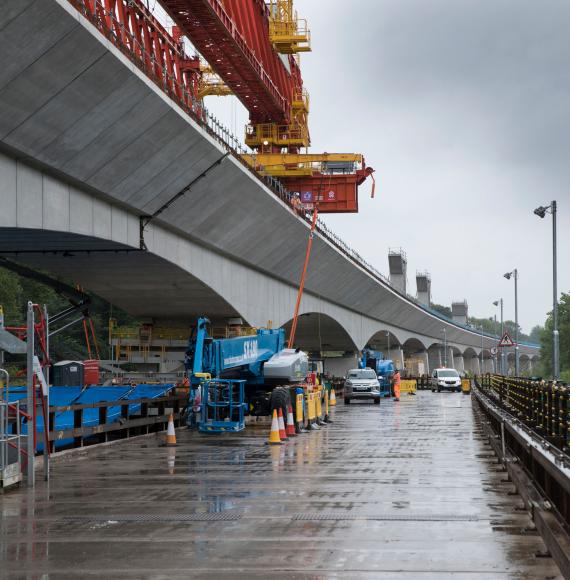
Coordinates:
column 133, row 28
column 233, row 36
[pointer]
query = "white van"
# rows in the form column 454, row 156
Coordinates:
column 445, row 380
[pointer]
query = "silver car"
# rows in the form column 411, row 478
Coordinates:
column 361, row 384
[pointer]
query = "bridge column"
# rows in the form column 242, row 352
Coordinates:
column 450, row 358
column 425, row 359
column 339, row 366
column 459, row 363
column 434, row 355
column 472, row 365
column 397, row 355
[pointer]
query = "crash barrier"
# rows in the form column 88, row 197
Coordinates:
column 537, row 469
column 91, row 422
column 423, row 383
column 311, row 410
column 409, row 386
column 543, row 406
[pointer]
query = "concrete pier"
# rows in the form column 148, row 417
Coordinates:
column 402, row 491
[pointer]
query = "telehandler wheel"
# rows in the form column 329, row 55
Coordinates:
column 280, row 399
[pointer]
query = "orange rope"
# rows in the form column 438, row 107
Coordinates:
column 87, row 337
column 302, row 283
column 94, row 337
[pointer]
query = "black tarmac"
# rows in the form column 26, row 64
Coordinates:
column 405, row 491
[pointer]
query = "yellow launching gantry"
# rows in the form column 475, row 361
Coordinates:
column 267, row 136
column 210, row 83
column 303, row 164
column 288, row 34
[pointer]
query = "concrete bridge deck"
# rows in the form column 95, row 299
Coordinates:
column 89, row 144
column 406, row 490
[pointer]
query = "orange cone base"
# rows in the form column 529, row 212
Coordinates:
column 274, row 438
column 282, row 433
column 170, row 433
column 290, row 430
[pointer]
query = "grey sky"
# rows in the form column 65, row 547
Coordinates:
column 463, row 108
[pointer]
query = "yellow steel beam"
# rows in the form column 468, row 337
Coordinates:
column 297, row 164
column 270, row 159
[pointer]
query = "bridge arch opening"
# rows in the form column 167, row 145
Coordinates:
column 319, row 333
column 139, row 282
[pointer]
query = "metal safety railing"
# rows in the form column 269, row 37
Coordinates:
column 543, row 406
column 11, row 448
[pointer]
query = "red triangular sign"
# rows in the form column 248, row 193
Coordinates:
column 506, row 340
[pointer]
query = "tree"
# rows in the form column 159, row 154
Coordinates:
column 445, row 310
column 536, row 333
column 16, row 290
column 547, row 342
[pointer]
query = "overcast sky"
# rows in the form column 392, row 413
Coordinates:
column 463, row 109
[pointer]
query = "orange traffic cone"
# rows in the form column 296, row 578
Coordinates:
column 282, row 432
column 274, row 438
column 170, row 433
column 290, row 430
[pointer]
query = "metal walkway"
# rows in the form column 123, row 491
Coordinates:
column 406, row 490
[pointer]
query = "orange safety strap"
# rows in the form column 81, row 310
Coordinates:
column 87, row 338
column 94, row 337
column 303, row 276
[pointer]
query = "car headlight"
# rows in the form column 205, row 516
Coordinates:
column 348, row 384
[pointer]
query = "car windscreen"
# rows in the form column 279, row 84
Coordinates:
column 448, row 374
column 361, row 375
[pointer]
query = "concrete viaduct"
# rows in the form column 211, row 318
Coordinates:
column 89, row 144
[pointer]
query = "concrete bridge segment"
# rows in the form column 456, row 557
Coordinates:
column 100, row 145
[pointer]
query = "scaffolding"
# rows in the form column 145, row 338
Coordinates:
column 288, row 33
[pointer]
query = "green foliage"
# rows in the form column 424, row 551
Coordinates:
column 445, row 310
column 536, row 334
column 547, row 341
column 15, row 291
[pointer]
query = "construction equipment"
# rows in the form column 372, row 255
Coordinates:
column 252, row 50
column 384, row 369
column 233, row 377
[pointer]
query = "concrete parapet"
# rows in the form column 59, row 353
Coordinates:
column 460, row 312
column 423, row 284
column 398, row 264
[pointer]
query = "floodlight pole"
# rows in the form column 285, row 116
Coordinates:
column 555, row 333
column 516, row 323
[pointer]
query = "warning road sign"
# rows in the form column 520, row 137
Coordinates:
column 506, row 340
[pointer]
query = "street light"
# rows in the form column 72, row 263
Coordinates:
column 481, row 367
column 541, row 213
column 515, row 274
column 497, row 303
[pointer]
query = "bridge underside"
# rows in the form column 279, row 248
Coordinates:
column 140, row 283
column 88, row 144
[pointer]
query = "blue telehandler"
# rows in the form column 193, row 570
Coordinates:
column 234, row 377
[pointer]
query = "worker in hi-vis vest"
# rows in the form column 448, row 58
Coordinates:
column 396, row 382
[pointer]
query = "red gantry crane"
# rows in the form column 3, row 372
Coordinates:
column 252, row 49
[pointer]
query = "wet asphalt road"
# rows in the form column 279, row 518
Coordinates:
column 406, row 490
